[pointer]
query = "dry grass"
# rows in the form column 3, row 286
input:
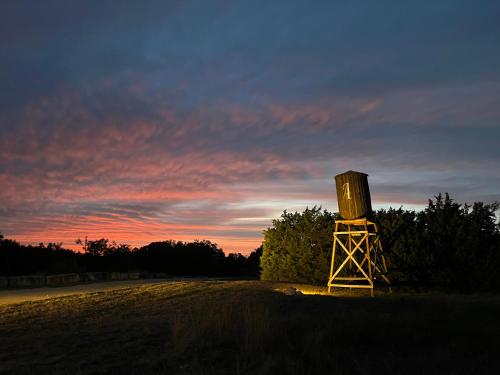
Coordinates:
column 248, row 327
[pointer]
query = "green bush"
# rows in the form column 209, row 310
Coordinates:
column 298, row 247
column 447, row 244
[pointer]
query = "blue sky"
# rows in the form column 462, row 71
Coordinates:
column 141, row 121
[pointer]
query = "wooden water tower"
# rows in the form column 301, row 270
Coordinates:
column 357, row 256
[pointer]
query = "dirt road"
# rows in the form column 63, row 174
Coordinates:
column 24, row 295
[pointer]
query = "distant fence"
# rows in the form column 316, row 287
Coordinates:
column 31, row 281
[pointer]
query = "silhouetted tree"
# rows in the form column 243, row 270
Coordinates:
column 181, row 258
column 253, row 262
column 97, row 247
column 172, row 257
column 398, row 233
column 17, row 259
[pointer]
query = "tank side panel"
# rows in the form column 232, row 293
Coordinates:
column 345, row 197
column 353, row 195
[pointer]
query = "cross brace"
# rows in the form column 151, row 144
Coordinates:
column 357, row 256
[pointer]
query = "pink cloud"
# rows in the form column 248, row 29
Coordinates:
column 123, row 229
column 194, row 168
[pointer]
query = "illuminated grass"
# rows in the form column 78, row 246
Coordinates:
column 248, row 327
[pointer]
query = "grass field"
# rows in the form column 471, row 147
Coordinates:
column 249, row 327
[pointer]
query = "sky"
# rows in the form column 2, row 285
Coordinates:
column 141, row 121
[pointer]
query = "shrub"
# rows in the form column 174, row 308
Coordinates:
column 298, row 247
column 447, row 244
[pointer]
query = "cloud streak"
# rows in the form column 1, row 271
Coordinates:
column 187, row 120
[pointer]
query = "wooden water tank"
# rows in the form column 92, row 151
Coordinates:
column 353, row 195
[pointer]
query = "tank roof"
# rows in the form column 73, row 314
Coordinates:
column 351, row 172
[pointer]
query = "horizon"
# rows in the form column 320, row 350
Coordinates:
column 206, row 120
column 138, row 244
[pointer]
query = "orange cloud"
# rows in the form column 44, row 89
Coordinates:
column 72, row 167
column 137, row 232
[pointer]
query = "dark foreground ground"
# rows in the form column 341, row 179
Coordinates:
column 249, row 327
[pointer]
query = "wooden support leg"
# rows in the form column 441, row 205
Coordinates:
column 361, row 256
column 335, row 239
column 369, row 263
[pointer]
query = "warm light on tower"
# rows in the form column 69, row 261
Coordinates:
column 357, row 255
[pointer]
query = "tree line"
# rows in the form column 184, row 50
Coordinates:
column 447, row 245
column 175, row 258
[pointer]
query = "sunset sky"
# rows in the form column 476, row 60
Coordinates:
column 149, row 120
